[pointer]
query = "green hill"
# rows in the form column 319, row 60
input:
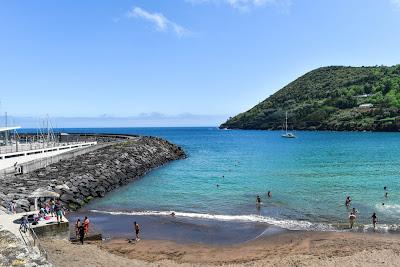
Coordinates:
column 331, row 98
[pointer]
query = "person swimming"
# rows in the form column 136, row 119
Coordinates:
column 269, row 194
column 258, row 200
column 386, row 194
column 384, row 188
column 348, row 201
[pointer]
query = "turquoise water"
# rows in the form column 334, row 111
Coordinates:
column 309, row 177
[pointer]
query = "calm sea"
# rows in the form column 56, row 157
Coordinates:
column 214, row 190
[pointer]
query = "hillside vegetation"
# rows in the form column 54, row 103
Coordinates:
column 331, row 98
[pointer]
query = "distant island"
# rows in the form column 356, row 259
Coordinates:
column 331, row 98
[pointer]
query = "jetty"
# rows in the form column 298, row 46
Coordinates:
column 73, row 168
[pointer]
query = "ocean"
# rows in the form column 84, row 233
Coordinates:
column 213, row 192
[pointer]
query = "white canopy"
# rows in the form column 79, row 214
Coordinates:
column 44, row 193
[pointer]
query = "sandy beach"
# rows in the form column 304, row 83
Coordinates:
column 289, row 249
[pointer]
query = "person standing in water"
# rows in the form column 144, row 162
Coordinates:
column 258, row 200
column 137, row 230
column 352, row 218
column 269, row 194
column 348, row 201
column 374, row 220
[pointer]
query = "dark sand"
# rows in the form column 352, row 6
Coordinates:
column 287, row 249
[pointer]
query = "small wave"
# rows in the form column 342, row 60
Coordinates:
column 285, row 224
column 381, row 228
column 391, row 209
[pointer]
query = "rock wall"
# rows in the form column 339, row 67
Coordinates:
column 14, row 253
column 91, row 175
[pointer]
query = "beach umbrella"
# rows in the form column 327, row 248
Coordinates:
column 41, row 192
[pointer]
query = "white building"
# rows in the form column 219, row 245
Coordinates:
column 366, row 106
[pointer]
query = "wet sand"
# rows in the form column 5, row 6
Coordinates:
column 287, row 249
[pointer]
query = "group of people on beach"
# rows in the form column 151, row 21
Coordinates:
column 47, row 210
column 51, row 208
column 82, row 229
column 353, row 213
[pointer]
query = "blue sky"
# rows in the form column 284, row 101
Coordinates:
column 198, row 61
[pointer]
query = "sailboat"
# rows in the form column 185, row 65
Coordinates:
column 287, row 134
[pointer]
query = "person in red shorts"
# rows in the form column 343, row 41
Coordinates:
column 86, row 225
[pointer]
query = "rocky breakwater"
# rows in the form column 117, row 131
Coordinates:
column 91, row 175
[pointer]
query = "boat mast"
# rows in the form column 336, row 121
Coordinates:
column 6, row 132
column 286, row 122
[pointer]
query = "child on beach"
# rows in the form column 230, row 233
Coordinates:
column 137, row 230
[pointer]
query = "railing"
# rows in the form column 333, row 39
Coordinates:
column 36, row 242
column 28, row 244
column 46, row 161
column 33, row 146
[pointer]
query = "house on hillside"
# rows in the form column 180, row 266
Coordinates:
column 366, row 106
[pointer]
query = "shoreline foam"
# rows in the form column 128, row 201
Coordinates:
column 287, row 224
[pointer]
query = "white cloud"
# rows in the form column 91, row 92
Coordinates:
column 246, row 5
column 159, row 20
column 396, row 3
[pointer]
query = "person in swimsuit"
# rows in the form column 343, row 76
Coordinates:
column 352, row 218
column 52, row 208
column 386, row 194
column 137, row 230
column 348, row 201
column 77, row 227
column 258, row 200
column 86, row 225
column 269, row 194
column 81, row 233
column 374, row 220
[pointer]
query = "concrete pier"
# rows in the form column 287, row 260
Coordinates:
column 49, row 227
